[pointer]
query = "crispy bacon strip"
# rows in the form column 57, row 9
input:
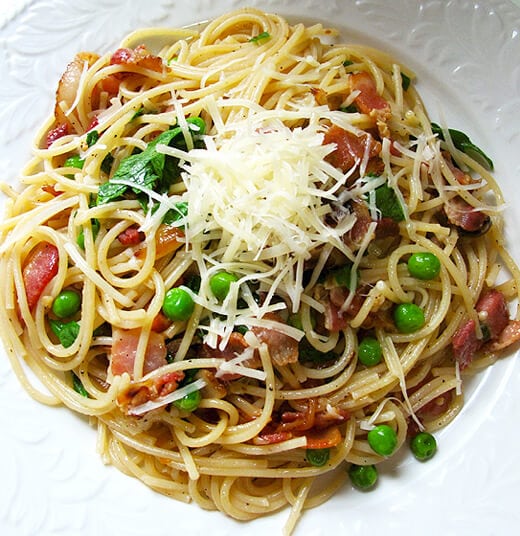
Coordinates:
column 494, row 319
column 350, row 148
column 282, row 348
column 124, row 348
column 39, row 268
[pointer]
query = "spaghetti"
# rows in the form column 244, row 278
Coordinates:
column 243, row 251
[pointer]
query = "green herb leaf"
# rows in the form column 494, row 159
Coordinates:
column 106, row 165
column 405, row 81
column 346, row 63
column 308, row 354
column 351, row 109
column 260, row 37
column 388, row 203
column 74, row 161
column 343, row 277
column 92, row 137
column 66, row 332
column 78, row 386
column 138, row 113
column 175, row 214
column 464, row 144
column 146, row 169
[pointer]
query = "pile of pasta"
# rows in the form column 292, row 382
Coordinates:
column 242, row 247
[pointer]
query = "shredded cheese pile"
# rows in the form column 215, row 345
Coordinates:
column 261, row 191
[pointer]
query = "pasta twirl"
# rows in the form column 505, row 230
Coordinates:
column 245, row 250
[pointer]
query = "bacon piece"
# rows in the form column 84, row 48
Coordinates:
column 161, row 322
column 350, row 148
column 214, row 388
column 282, row 348
column 126, row 57
column 319, row 427
column 131, row 236
column 459, row 175
column 69, row 84
column 494, row 318
column 139, row 393
column 469, row 219
column 270, row 438
column 335, row 319
column 56, row 133
column 38, row 270
column 139, row 57
column 387, row 227
column 369, row 101
column 235, row 346
column 360, row 228
column 509, row 335
column 299, row 421
column 323, row 439
column 493, row 312
column 50, row 189
column 124, row 348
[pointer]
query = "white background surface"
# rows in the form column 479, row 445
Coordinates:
column 466, row 55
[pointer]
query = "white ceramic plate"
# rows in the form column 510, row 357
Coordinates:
column 466, row 55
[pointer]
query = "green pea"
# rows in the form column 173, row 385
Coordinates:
column 424, row 265
column 317, row 457
column 408, row 317
column 66, row 303
column 369, row 352
column 363, row 477
column 220, row 284
column 178, row 304
column 423, row 446
column 189, row 402
column 382, row 440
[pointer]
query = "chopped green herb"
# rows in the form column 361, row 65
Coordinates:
column 66, row 332
column 343, row 277
column 92, row 137
column 149, row 168
column 351, row 109
column 138, row 113
column 346, row 63
column 78, row 386
column 74, row 161
column 260, row 37
column 464, row 144
column 308, row 354
column 388, row 203
column 405, row 81
column 106, row 165
column 175, row 214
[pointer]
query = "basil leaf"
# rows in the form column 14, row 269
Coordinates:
column 260, row 37
column 148, row 168
column 464, row 144
column 175, row 214
column 478, row 155
column 342, row 276
column 66, row 332
column 78, row 386
column 388, row 203
column 405, row 81
column 92, row 137
column 308, row 354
